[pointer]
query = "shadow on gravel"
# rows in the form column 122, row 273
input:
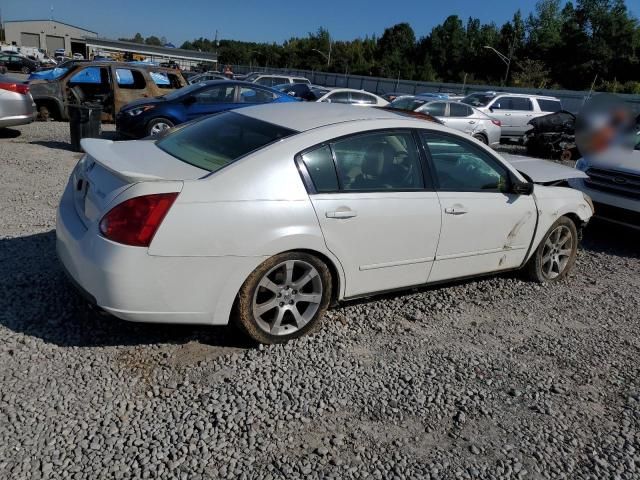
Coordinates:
column 36, row 299
column 53, row 144
column 9, row 133
column 612, row 239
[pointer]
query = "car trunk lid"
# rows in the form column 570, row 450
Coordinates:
column 110, row 168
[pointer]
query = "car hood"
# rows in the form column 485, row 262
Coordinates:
column 543, row 171
column 618, row 159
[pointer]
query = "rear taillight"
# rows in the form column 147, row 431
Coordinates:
column 497, row 123
column 15, row 87
column 135, row 221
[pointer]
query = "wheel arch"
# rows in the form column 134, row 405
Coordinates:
column 337, row 282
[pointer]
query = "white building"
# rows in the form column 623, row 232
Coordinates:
column 48, row 35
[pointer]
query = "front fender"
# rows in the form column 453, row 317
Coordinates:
column 553, row 203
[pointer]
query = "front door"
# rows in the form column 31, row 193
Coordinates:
column 484, row 227
column 376, row 214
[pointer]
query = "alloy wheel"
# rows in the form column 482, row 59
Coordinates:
column 556, row 252
column 287, row 297
column 158, row 128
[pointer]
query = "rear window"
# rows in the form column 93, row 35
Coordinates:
column 549, row 105
column 218, row 140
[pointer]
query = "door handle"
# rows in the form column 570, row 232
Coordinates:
column 342, row 214
column 507, row 114
column 455, row 210
column 472, row 121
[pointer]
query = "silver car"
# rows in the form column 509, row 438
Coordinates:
column 16, row 103
column 455, row 115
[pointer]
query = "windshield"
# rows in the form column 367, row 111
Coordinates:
column 478, row 99
column 218, row 140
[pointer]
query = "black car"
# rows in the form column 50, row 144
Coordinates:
column 299, row 90
column 17, row 63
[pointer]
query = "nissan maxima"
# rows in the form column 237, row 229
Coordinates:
column 267, row 215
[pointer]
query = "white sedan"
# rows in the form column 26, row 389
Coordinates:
column 268, row 214
column 349, row 96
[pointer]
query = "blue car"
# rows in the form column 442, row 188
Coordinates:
column 151, row 116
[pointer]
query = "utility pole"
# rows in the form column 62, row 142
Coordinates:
column 504, row 58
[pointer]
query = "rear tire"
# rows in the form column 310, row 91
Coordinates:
column 26, row 70
column 158, row 125
column 284, row 298
column 556, row 254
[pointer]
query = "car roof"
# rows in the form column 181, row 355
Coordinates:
column 513, row 94
column 309, row 115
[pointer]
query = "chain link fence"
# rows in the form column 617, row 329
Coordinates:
column 571, row 100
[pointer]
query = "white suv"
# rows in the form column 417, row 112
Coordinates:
column 269, row 80
column 514, row 110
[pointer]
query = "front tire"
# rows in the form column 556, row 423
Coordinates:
column 556, row 254
column 284, row 298
column 26, row 70
column 157, row 126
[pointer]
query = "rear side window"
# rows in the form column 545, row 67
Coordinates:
column 320, row 166
column 87, row 75
column 167, row 80
column 459, row 110
column 549, row 105
column 339, row 97
column 302, row 80
column 131, row 79
column 513, row 103
column 378, row 162
column 218, row 140
column 362, row 98
column 255, row 95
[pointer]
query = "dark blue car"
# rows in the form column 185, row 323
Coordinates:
column 150, row 116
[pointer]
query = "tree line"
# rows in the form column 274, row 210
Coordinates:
column 559, row 45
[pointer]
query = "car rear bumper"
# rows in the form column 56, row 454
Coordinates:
column 17, row 120
column 609, row 206
column 132, row 285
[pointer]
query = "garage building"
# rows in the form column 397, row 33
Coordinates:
column 48, row 35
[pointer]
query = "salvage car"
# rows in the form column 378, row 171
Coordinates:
column 152, row 116
column 553, row 136
column 514, row 110
column 455, row 115
column 268, row 214
column 16, row 104
column 108, row 84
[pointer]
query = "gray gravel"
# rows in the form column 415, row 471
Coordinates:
column 495, row 378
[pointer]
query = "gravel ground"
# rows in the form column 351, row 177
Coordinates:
column 495, row 378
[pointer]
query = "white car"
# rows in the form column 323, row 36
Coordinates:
column 349, row 96
column 455, row 115
column 513, row 110
column 268, row 214
column 269, row 80
column 613, row 181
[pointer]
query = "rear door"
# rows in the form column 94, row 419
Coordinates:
column 460, row 117
column 377, row 215
column 484, row 227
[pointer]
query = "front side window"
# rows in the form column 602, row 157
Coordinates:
column 217, row 94
column 319, row 163
column 378, row 161
column 86, row 75
column 218, row 140
column 462, row 167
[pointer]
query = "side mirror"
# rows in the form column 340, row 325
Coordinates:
column 521, row 188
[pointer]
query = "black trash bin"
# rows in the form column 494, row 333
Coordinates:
column 84, row 122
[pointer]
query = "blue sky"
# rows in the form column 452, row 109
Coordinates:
column 251, row 20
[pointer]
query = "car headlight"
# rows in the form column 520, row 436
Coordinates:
column 582, row 165
column 587, row 199
column 134, row 112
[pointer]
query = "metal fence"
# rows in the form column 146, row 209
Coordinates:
column 571, row 100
